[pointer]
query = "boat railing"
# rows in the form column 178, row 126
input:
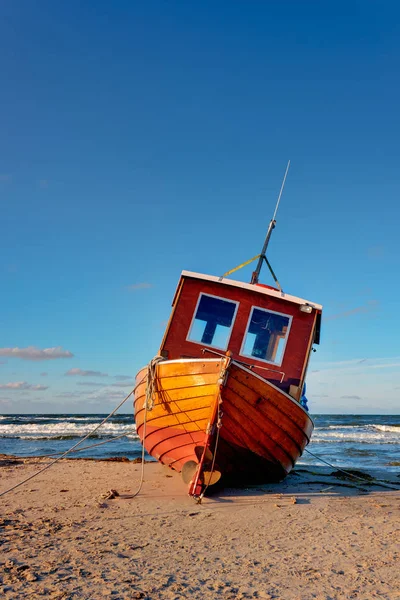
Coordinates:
column 250, row 367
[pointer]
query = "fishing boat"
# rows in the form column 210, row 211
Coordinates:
column 224, row 397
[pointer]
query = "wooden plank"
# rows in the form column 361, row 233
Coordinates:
column 171, row 439
column 174, row 395
column 176, row 368
column 235, row 437
column 269, row 412
column 155, row 435
column 269, row 440
column 193, row 367
column 280, row 400
column 253, row 439
column 184, row 381
column 179, row 420
column 171, row 445
column 174, row 406
column 187, row 404
column 268, row 428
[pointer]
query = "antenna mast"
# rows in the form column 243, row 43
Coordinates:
column 256, row 273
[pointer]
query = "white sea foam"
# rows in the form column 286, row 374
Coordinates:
column 63, row 428
column 387, row 428
column 343, row 427
column 358, row 435
column 62, row 418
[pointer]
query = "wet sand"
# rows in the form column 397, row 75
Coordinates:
column 312, row 536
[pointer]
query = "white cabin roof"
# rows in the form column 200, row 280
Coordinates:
column 252, row 287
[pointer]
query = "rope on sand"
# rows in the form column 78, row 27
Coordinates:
column 79, row 443
column 151, row 390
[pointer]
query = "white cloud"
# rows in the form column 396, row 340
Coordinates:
column 82, row 373
column 22, row 385
column 91, row 383
column 122, row 377
column 34, row 353
column 117, row 384
column 107, row 395
column 76, row 394
column 114, row 395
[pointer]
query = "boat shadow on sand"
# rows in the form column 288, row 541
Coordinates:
column 307, row 482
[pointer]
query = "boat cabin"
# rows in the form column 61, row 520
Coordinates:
column 268, row 331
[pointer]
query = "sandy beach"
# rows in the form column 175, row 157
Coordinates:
column 312, row 536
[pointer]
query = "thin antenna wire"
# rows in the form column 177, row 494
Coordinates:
column 256, row 273
column 280, row 193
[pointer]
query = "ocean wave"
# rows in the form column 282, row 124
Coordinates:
column 130, row 435
column 364, row 436
column 366, row 433
column 55, row 430
column 387, row 428
column 53, row 419
column 343, row 427
column 382, row 443
column 392, row 428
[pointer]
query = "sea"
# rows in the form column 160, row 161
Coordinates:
column 365, row 442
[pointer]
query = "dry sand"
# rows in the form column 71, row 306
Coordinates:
column 311, row 536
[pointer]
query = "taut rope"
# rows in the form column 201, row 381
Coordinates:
column 77, row 444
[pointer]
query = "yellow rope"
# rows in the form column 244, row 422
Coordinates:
column 240, row 266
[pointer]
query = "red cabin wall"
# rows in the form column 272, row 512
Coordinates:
column 297, row 344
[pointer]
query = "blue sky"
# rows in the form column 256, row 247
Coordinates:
column 140, row 139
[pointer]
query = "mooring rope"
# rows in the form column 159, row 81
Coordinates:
column 117, row 437
column 151, row 388
column 77, row 444
column 219, row 425
column 364, row 479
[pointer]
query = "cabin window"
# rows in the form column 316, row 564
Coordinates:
column 266, row 335
column 213, row 321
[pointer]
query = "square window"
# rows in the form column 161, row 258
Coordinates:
column 266, row 335
column 213, row 321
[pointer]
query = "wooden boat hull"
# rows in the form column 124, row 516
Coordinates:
column 253, row 430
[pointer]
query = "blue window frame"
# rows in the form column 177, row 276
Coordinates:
column 212, row 321
column 266, row 335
